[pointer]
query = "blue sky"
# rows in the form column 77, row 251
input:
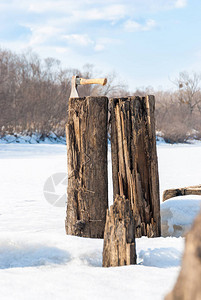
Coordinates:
column 147, row 42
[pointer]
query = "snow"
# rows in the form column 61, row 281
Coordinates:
column 34, row 138
column 179, row 166
column 55, row 266
column 177, row 214
column 38, row 260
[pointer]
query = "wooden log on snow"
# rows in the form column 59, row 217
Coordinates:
column 134, row 160
column 87, row 191
column 190, row 190
column 188, row 285
column 119, row 235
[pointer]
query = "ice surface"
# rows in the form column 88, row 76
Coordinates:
column 38, row 260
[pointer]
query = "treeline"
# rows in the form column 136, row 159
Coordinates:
column 34, row 97
column 34, row 93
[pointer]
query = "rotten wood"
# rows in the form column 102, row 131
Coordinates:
column 190, row 190
column 134, row 160
column 86, row 133
column 119, row 235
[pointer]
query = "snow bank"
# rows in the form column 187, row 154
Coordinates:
column 160, row 252
column 18, row 253
column 178, row 214
column 34, row 138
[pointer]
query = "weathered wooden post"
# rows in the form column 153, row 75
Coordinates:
column 119, row 236
column 87, row 191
column 134, row 160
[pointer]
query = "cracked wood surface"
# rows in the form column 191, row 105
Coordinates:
column 134, row 160
column 119, row 236
column 190, row 190
column 86, row 133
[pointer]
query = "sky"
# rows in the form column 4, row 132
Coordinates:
column 146, row 42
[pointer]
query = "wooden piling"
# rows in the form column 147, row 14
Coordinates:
column 134, row 160
column 119, row 237
column 86, row 133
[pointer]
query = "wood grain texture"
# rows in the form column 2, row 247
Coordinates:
column 134, row 160
column 101, row 81
column 190, row 190
column 119, row 236
column 86, row 133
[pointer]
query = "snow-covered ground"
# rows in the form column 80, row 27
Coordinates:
column 38, row 260
column 178, row 214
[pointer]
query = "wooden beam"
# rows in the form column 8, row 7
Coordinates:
column 190, row 190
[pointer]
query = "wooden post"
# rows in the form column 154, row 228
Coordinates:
column 134, row 160
column 86, row 133
column 119, row 236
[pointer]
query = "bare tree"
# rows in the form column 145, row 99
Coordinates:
column 189, row 86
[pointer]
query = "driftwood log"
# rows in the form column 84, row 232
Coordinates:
column 190, row 190
column 87, row 191
column 188, row 285
column 119, row 235
column 134, row 160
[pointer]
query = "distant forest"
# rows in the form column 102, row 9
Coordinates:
column 34, row 97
